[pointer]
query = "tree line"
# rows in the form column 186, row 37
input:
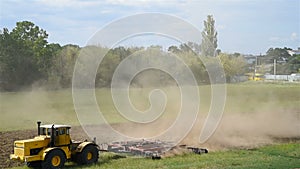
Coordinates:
column 27, row 59
column 285, row 63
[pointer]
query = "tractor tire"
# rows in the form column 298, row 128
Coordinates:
column 34, row 164
column 88, row 155
column 55, row 159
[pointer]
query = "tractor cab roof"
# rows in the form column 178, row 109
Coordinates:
column 55, row 126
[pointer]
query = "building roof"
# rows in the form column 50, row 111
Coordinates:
column 55, row 126
column 293, row 52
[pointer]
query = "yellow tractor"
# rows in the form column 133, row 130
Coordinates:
column 53, row 147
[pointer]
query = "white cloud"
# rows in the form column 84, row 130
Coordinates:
column 274, row 39
column 221, row 27
column 106, row 11
column 294, row 36
column 87, row 3
column 69, row 3
column 141, row 3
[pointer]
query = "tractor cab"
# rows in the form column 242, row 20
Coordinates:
column 59, row 134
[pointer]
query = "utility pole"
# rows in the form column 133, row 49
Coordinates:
column 255, row 67
column 274, row 69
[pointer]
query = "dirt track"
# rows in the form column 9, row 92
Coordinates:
column 6, row 144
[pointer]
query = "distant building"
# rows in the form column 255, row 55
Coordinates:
column 250, row 59
column 294, row 52
column 295, row 77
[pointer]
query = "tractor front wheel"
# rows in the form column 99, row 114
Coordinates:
column 54, row 160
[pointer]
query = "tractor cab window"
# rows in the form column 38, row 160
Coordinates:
column 49, row 132
column 56, row 132
column 62, row 131
column 67, row 131
column 43, row 131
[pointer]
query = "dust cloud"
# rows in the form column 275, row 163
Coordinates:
column 21, row 110
column 247, row 121
column 234, row 130
column 249, row 130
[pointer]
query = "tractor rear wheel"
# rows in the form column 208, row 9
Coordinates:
column 55, row 159
column 88, row 155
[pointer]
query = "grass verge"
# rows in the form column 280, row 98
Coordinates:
column 273, row 156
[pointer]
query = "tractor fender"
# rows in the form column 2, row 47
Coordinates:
column 48, row 150
column 82, row 145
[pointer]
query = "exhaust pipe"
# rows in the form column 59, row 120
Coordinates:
column 39, row 127
column 52, row 137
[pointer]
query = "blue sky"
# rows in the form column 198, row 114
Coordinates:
column 245, row 26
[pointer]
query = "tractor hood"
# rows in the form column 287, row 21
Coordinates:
column 37, row 142
column 29, row 147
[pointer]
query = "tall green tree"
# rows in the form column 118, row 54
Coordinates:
column 233, row 65
column 209, row 37
column 294, row 64
column 25, row 55
column 35, row 40
column 18, row 68
column 280, row 54
column 286, row 64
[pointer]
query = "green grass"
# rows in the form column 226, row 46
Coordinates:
column 21, row 110
column 273, row 156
